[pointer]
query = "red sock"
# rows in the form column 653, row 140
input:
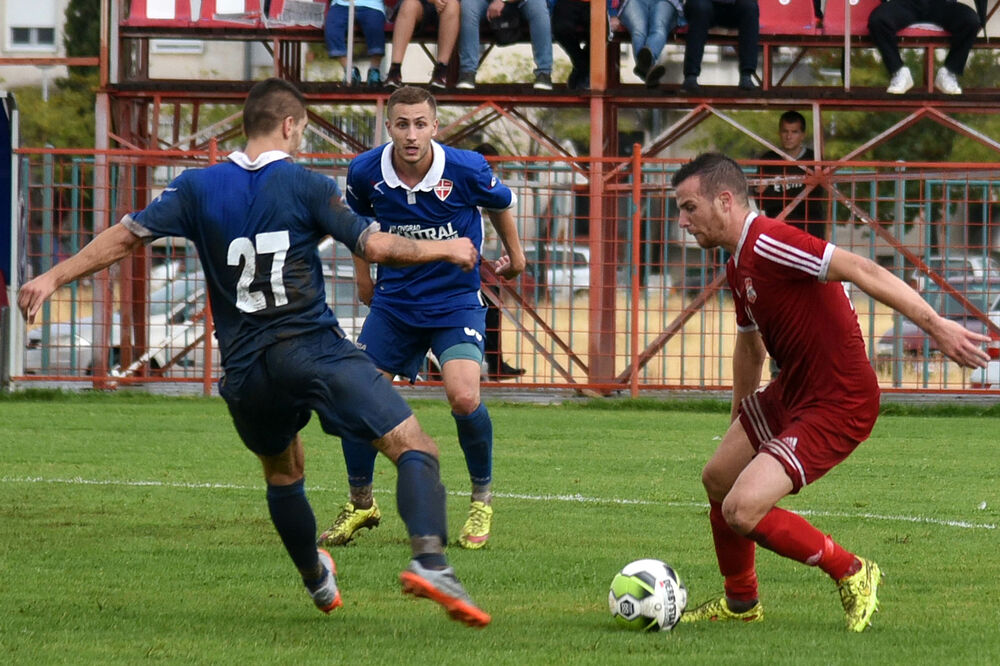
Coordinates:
column 792, row 536
column 735, row 554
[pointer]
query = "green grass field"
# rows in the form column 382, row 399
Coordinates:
column 134, row 529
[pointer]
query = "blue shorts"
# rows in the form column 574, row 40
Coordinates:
column 399, row 347
column 372, row 24
column 322, row 372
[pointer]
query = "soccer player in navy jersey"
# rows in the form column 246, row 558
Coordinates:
column 256, row 220
column 417, row 188
column 790, row 303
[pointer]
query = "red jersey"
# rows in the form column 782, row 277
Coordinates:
column 809, row 326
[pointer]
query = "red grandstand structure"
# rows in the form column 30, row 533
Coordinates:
column 609, row 334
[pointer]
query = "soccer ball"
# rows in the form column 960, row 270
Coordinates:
column 647, row 595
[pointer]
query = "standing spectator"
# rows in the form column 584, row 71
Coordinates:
column 823, row 404
column 649, row 24
column 785, row 182
column 417, row 188
column 255, row 220
column 744, row 15
column 893, row 15
column 496, row 368
column 370, row 15
column 535, row 12
column 445, row 15
column 571, row 31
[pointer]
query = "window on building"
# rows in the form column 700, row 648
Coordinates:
column 31, row 25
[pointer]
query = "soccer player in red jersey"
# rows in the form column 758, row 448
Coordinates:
column 790, row 303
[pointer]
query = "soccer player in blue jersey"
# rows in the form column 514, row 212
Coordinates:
column 417, row 188
column 256, row 220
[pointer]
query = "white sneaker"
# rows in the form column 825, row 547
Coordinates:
column 901, row 81
column 946, row 82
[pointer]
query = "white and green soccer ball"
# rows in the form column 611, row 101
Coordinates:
column 647, row 595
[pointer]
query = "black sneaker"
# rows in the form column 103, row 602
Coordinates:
column 394, row 79
column 543, row 81
column 466, row 80
column 746, row 82
column 654, row 76
column 439, row 79
column 690, row 85
column 643, row 61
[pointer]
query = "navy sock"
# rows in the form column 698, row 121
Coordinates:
column 475, row 436
column 420, row 497
column 359, row 457
column 293, row 518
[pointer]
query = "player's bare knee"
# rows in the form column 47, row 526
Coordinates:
column 407, row 436
column 741, row 517
column 715, row 486
column 464, row 403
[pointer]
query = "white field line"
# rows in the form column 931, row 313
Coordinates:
column 962, row 524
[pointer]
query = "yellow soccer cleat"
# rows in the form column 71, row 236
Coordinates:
column 476, row 530
column 858, row 594
column 717, row 610
column 348, row 523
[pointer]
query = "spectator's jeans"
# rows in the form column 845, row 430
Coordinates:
column 535, row 12
column 649, row 23
column 703, row 14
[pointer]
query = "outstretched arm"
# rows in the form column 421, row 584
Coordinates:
column 513, row 262
column 379, row 247
column 957, row 342
column 109, row 247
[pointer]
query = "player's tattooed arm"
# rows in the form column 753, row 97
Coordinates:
column 392, row 250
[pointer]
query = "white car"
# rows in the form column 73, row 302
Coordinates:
column 174, row 335
column 964, row 266
column 561, row 269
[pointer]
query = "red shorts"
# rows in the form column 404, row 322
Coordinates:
column 808, row 442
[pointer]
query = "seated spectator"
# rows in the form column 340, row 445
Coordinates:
column 370, row 15
column 890, row 17
column 649, row 24
column 535, row 12
column 744, row 15
column 443, row 14
column 571, row 31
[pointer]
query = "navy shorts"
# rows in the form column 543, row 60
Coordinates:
column 399, row 347
column 372, row 24
column 318, row 372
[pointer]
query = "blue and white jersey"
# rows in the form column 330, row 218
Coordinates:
column 445, row 204
column 256, row 226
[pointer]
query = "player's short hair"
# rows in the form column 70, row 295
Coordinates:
column 793, row 117
column 268, row 104
column 717, row 173
column 410, row 95
column 487, row 150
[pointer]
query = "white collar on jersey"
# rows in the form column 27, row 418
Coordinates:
column 240, row 159
column 751, row 216
column 431, row 178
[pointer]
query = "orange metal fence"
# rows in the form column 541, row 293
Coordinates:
column 615, row 297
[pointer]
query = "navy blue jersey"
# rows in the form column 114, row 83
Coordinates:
column 256, row 226
column 445, row 204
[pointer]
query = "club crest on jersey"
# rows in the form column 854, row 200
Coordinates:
column 750, row 291
column 443, row 189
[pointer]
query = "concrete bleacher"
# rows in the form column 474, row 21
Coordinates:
column 844, row 24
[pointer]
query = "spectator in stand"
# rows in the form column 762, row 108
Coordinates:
column 744, row 15
column 445, row 15
column 649, row 24
column 890, row 17
column 535, row 12
column 370, row 15
column 571, row 31
column 786, row 181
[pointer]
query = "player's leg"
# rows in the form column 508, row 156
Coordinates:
column 459, row 348
column 268, row 424
column 734, row 552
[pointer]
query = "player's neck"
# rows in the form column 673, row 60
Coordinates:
column 257, row 146
column 412, row 174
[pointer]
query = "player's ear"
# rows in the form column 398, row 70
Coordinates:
column 434, row 131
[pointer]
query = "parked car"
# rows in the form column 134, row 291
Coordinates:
column 964, row 266
column 68, row 348
column 913, row 342
column 556, row 271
